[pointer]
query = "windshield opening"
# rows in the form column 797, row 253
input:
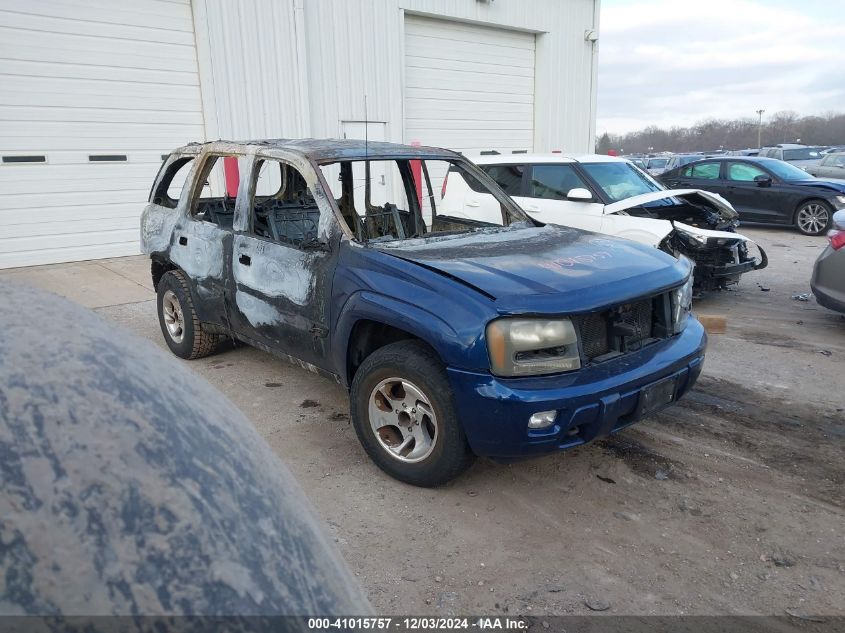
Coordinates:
column 387, row 200
column 786, row 171
column 620, row 181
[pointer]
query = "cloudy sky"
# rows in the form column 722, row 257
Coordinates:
column 675, row 62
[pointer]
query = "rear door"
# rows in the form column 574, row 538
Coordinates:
column 202, row 238
column 484, row 206
column 281, row 272
column 705, row 175
column 545, row 197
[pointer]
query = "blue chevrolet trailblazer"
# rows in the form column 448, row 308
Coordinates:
column 454, row 337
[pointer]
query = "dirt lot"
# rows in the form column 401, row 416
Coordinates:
column 730, row 502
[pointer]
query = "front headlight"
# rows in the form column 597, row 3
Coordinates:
column 693, row 239
column 530, row 347
column 681, row 305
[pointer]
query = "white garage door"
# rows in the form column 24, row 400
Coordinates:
column 94, row 92
column 467, row 87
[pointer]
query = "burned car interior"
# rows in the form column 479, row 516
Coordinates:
column 289, row 214
column 385, row 200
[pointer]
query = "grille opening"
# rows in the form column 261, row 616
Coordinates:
column 622, row 329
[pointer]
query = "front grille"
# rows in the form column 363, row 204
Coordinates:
column 594, row 338
column 639, row 318
column 622, row 329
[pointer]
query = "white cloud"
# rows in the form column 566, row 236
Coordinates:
column 671, row 62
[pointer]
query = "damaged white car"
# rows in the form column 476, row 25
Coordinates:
column 606, row 194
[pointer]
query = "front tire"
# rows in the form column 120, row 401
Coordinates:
column 183, row 331
column 813, row 217
column 404, row 415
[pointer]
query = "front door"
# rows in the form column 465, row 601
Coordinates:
column 545, row 198
column 754, row 201
column 282, row 265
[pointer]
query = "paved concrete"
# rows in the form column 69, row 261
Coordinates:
column 93, row 284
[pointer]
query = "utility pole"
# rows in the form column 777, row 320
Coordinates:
column 760, row 129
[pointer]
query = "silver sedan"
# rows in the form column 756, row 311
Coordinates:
column 828, row 282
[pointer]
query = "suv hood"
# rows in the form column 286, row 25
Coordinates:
column 695, row 196
column 548, row 269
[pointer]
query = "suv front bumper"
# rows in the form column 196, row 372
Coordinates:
column 590, row 403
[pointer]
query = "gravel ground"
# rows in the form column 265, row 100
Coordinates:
column 729, row 502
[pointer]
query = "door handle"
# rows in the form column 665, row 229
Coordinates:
column 532, row 207
column 246, row 260
column 183, row 241
column 473, row 203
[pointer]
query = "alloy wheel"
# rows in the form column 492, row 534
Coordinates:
column 812, row 218
column 403, row 420
column 173, row 319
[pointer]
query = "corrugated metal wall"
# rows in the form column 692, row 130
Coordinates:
column 301, row 67
column 252, row 81
column 93, row 93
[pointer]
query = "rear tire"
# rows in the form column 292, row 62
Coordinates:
column 182, row 330
column 813, row 217
column 404, row 415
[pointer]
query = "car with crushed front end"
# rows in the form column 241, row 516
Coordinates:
column 608, row 194
column 454, row 336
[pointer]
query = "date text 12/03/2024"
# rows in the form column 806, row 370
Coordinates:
column 417, row 624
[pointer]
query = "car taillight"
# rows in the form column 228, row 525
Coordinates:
column 837, row 239
column 443, row 188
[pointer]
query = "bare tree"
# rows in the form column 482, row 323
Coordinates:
column 713, row 134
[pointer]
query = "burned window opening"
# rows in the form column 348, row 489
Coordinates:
column 169, row 188
column 283, row 208
column 214, row 176
column 386, row 200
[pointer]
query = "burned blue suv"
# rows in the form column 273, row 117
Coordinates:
column 455, row 337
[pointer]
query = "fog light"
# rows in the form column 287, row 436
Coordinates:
column 542, row 420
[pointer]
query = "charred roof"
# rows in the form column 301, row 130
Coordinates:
column 332, row 149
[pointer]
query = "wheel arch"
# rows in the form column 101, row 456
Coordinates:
column 806, row 200
column 370, row 321
column 159, row 266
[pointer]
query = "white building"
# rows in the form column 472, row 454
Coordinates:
column 94, row 92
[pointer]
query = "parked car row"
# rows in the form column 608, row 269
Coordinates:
column 798, row 155
column 605, row 194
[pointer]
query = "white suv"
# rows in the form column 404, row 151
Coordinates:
column 606, row 194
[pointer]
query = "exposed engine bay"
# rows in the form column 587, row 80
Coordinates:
column 701, row 226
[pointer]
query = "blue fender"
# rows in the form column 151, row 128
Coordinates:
column 454, row 347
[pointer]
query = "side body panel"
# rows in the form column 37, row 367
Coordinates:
column 280, row 294
column 449, row 316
